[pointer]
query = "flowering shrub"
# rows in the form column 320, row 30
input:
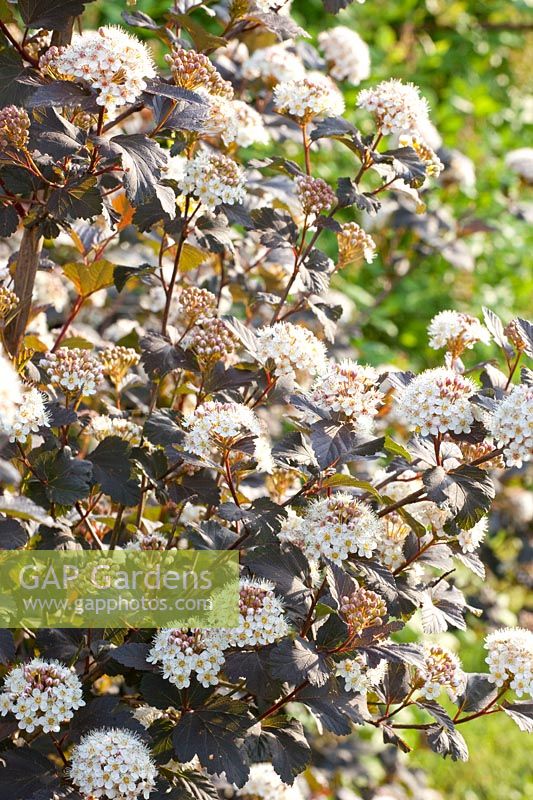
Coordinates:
column 176, row 373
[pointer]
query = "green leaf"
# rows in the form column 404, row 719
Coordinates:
column 334, row 481
column 90, row 279
column 397, row 449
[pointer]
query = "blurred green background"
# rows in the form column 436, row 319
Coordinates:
column 472, row 60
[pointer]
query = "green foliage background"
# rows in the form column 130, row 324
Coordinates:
column 470, row 59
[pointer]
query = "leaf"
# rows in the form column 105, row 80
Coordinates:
column 478, row 693
column 347, row 195
column 203, row 40
column 62, row 94
column 334, row 6
column 447, row 743
column 211, row 733
column 89, row 279
column 9, row 221
column 23, row 772
column 161, row 428
column 335, row 709
column 525, row 328
column 495, row 326
column 66, row 479
column 62, row 644
column 468, row 490
column 187, row 783
column 437, row 712
column 245, row 335
column 159, row 692
column 159, row 356
column 50, row 14
column 142, row 161
column 254, row 668
column 52, row 134
column 12, row 89
column 122, row 275
column 12, row 534
column 132, row 655
column 283, row 743
column 315, row 272
column 7, row 647
column 278, row 226
column 522, row 714
column 396, row 683
column 337, row 444
column 111, row 469
column 80, row 199
column 397, row 449
column 297, row 661
column 407, row 165
column 24, row 508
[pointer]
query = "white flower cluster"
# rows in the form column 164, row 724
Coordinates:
column 10, row 392
column 41, row 694
column 114, row 764
column 397, row 107
column 273, row 64
column 293, row 350
column 219, row 426
column 102, row 426
column 334, row 527
column 147, row 715
column 109, row 60
column 264, row 783
column 240, row 123
column 429, row 514
column 511, row 425
column 309, row 98
column 347, row 54
column 262, row 616
column 213, row 179
column 472, row 538
column 148, row 541
column 76, row 371
column 442, row 670
column 390, row 546
column 456, row 332
column 355, row 245
column 349, row 389
column 510, row 658
column 437, row 401
column 183, row 652
column 357, row 676
column 30, row 415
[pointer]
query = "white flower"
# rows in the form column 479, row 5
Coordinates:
column 262, row 619
column 442, row 670
column 398, row 107
column 309, row 98
column 456, row 332
column 183, row 652
column 239, row 122
column 213, row 179
column 347, row 54
column 437, row 401
column 511, row 425
column 335, row 527
column 41, row 694
column 357, row 676
column 147, row 715
column 148, row 541
column 10, row 393
column 30, row 415
column 273, row 64
column 102, row 426
column 50, row 289
column 471, row 539
column 390, row 547
column 510, row 658
column 216, row 426
column 291, row 349
column 109, row 60
column 348, row 389
column 114, row 764
column 264, row 783
column 521, row 162
column 76, row 371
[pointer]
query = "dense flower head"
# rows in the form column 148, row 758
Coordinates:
column 510, row 658
column 213, row 179
column 216, row 426
column 109, row 60
column 471, row 539
column 362, row 609
column 397, row 107
column 309, row 98
column 347, row 54
column 274, row 64
column 334, row 527
column 456, row 332
column 114, row 764
column 10, row 392
column 437, row 401
column 314, row 194
column 239, row 123
column 355, row 245
column 357, row 676
column 102, row 426
column 348, row 389
column 184, row 652
column 116, row 362
column 261, row 614
column 264, row 783
column 192, row 70
column 14, row 127
column 76, row 371
column 292, row 350
column 195, row 304
column 41, row 694
column 30, row 414
column 511, row 425
column 425, row 153
column 474, row 450
column 148, row 541
column 390, row 546
column 442, row 670
column 210, row 340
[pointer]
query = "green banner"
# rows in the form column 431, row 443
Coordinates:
column 119, row 588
